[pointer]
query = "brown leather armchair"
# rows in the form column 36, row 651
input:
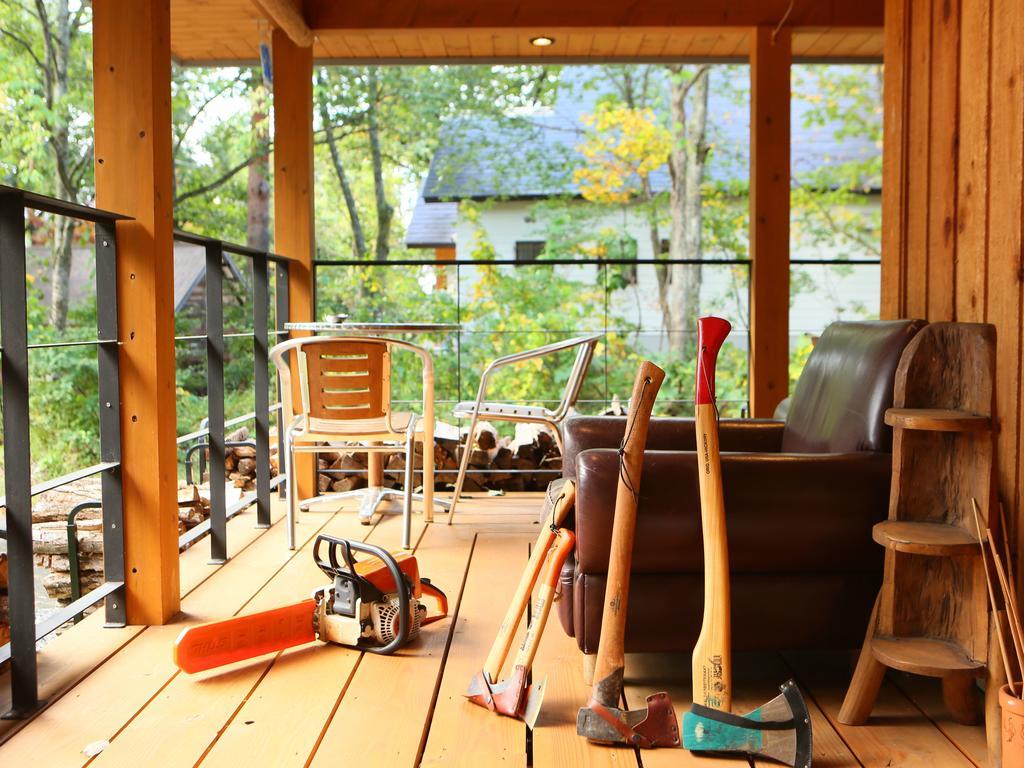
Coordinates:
column 801, row 497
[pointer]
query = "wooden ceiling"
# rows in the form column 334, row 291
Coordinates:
column 405, row 31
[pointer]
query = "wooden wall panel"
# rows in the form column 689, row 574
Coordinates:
column 894, row 158
column 1005, row 235
column 915, row 300
column 953, row 207
column 972, row 166
column 942, row 157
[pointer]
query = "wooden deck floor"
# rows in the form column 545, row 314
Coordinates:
column 328, row 706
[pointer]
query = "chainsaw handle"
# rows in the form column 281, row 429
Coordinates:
column 427, row 588
column 402, row 586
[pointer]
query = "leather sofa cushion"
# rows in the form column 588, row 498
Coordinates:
column 667, row 434
column 785, row 512
column 769, row 611
column 845, row 388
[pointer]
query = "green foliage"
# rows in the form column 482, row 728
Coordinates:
column 64, row 395
column 29, row 116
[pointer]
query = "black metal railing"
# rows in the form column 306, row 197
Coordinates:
column 18, row 487
column 213, row 433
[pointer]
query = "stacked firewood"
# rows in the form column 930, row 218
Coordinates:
column 532, row 448
column 240, row 460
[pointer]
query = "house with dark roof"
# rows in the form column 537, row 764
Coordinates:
column 515, row 165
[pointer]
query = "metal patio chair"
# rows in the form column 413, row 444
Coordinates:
column 345, row 405
column 480, row 408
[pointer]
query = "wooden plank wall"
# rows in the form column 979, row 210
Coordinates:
column 953, row 186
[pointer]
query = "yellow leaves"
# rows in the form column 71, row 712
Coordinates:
column 622, row 143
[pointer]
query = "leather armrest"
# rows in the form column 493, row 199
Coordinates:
column 667, row 434
column 784, row 512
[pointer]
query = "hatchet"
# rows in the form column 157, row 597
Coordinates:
column 603, row 719
column 514, row 697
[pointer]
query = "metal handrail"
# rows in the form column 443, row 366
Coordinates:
column 71, row 477
column 25, row 630
column 73, row 566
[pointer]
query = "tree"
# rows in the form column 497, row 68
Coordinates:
column 679, row 284
column 381, row 128
column 47, row 61
column 258, row 195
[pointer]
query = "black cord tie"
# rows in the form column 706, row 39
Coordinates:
column 554, row 528
column 623, row 472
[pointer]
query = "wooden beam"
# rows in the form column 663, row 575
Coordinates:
column 293, row 192
column 132, row 84
column 287, row 16
column 445, row 14
column 896, row 100
column 770, row 61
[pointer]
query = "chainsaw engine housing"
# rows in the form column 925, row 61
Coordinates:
column 372, row 604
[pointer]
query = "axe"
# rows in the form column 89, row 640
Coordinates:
column 513, row 697
column 603, row 720
column 780, row 729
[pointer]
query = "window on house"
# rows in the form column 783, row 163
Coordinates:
column 529, row 250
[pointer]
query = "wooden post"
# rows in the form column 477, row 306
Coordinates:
column 293, row 193
column 770, row 59
column 132, row 82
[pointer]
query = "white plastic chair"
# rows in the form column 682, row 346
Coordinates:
column 480, row 408
column 345, row 404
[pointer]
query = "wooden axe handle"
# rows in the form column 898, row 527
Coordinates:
column 712, row 658
column 608, row 670
column 506, row 633
column 556, row 558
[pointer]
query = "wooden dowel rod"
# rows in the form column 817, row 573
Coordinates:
column 992, row 600
column 1011, row 609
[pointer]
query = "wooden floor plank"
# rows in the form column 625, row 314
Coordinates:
column 926, row 694
column 650, row 673
column 896, row 733
column 555, row 742
column 65, row 660
column 310, row 679
column 327, row 704
column 406, row 682
column 101, row 705
column 181, row 723
column 830, row 751
column 462, row 734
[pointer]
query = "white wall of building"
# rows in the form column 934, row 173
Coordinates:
column 835, row 292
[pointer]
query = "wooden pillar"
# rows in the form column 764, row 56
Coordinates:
column 132, row 82
column 770, row 61
column 293, row 192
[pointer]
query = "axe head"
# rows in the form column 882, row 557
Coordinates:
column 655, row 726
column 780, row 729
column 512, row 697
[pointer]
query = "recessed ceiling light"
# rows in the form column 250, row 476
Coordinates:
column 542, row 41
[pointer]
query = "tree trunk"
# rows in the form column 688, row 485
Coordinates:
column 58, row 45
column 358, row 235
column 258, row 187
column 385, row 211
column 681, row 292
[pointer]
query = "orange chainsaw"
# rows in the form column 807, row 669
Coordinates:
column 372, row 604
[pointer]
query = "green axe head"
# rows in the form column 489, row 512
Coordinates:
column 780, row 729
